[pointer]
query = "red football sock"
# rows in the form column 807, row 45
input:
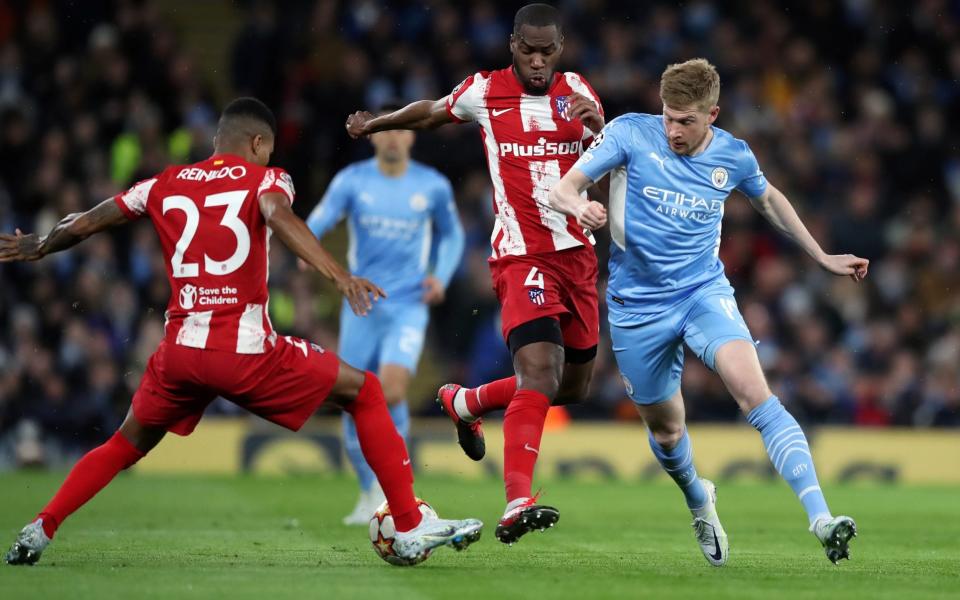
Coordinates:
column 491, row 396
column 522, row 429
column 91, row 474
column 385, row 452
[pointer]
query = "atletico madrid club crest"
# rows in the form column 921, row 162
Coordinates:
column 536, row 296
column 562, row 103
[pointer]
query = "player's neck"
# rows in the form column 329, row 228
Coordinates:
column 394, row 168
column 701, row 148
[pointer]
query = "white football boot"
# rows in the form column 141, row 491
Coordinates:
column 708, row 530
column 433, row 532
column 835, row 534
column 367, row 504
column 29, row 545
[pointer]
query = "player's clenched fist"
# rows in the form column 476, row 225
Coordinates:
column 357, row 122
column 585, row 109
column 593, row 215
column 846, row 264
column 358, row 292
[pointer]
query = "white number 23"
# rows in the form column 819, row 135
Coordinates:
column 231, row 220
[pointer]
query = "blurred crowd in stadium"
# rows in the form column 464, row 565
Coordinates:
column 845, row 103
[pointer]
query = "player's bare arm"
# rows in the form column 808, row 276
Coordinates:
column 567, row 198
column 775, row 207
column 70, row 231
column 295, row 234
column 422, row 114
column 586, row 110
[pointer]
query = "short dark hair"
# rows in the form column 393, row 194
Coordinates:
column 249, row 108
column 537, row 15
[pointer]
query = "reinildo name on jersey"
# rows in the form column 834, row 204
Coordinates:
column 191, row 296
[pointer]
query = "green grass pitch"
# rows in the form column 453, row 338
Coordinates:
column 256, row 537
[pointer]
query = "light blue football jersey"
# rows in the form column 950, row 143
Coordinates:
column 665, row 209
column 401, row 228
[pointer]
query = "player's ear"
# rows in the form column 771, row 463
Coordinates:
column 255, row 143
column 714, row 113
column 513, row 43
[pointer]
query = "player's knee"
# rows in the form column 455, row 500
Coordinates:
column 350, row 381
column 573, row 392
column 668, row 435
column 394, row 395
column 750, row 395
column 540, row 374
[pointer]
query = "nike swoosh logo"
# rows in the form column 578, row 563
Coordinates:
column 717, row 555
column 497, row 113
column 406, row 461
column 531, row 449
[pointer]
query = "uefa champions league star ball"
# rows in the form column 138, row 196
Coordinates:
column 382, row 532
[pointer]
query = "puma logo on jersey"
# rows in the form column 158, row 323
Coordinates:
column 497, row 112
column 657, row 158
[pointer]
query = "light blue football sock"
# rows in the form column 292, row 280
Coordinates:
column 400, row 414
column 790, row 454
column 678, row 463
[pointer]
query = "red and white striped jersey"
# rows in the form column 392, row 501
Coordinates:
column 215, row 245
column 529, row 147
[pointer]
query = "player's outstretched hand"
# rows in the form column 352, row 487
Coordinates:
column 593, row 215
column 433, row 292
column 846, row 264
column 583, row 108
column 356, row 123
column 19, row 246
column 358, row 292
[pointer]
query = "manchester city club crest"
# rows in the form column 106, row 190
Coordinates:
column 536, row 296
column 719, row 177
column 562, row 103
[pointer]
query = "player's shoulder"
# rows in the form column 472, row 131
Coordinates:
column 575, row 80
column 634, row 124
column 430, row 175
column 735, row 148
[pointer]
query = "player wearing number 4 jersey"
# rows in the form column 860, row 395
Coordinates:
column 671, row 177
column 534, row 123
column 214, row 220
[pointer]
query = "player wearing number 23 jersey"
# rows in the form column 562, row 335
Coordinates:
column 218, row 295
column 214, row 219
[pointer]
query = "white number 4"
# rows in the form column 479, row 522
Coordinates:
column 534, row 278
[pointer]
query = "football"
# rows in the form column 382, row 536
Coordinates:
column 382, row 531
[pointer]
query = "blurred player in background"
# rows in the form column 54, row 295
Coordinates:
column 671, row 176
column 405, row 234
column 533, row 122
column 214, row 219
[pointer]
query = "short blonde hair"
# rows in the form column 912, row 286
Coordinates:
column 692, row 83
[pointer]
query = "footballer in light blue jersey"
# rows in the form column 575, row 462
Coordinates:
column 405, row 235
column 670, row 177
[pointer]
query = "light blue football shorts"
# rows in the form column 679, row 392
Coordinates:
column 391, row 333
column 649, row 347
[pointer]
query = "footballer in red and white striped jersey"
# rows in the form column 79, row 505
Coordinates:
column 530, row 143
column 215, row 245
